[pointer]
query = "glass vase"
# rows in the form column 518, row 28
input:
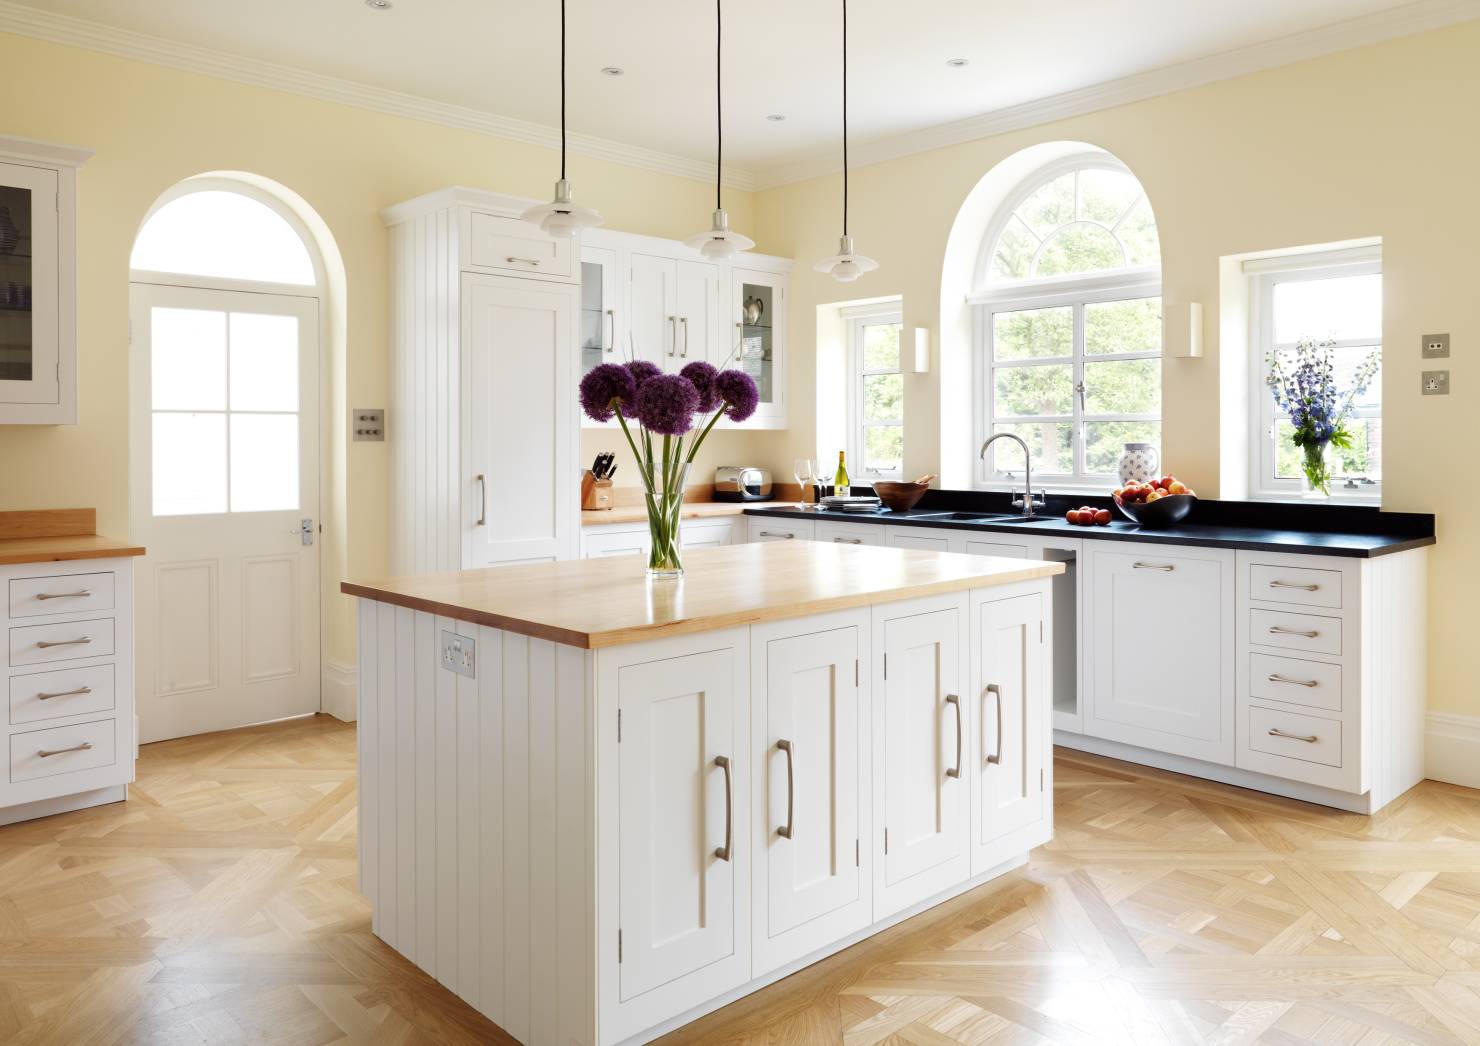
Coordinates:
column 1316, row 464
column 664, row 507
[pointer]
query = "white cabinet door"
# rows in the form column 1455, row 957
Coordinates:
column 1011, row 691
column 759, row 336
column 849, row 533
column 697, row 307
column 710, row 533
column 30, row 316
column 769, row 528
column 652, row 297
column 809, row 736
column 919, row 537
column 681, row 812
column 920, row 746
column 1159, row 630
column 519, row 492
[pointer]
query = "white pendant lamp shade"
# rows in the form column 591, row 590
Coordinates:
column 561, row 217
column 719, row 241
column 847, row 265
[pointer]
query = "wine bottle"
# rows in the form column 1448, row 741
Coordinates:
column 840, row 478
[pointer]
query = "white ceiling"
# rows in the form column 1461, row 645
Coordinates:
column 781, row 56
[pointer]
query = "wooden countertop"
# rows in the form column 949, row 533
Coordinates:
column 594, row 603
column 55, row 536
column 691, row 510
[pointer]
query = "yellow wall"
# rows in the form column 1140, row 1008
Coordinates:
column 1375, row 142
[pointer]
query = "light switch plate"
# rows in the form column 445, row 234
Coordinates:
column 367, row 424
column 1436, row 383
column 1436, row 346
column 460, row 654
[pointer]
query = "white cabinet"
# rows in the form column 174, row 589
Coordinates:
column 768, row 528
column 848, row 533
column 919, row 537
column 675, row 309
column 38, row 282
column 759, row 342
column 920, row 733
column 810, row 722
column 634, row 539
column 1159, row 667
column 603, row 318
column 708, row 533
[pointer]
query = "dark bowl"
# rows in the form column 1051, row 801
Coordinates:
column 1163, row 512
column 900, row 497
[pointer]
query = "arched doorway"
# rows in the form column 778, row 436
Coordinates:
column 226, row 306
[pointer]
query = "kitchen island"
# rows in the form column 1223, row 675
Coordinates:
column 596, row 807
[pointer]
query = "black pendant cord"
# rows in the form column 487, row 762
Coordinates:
column 845, row 117
column 719, row 113
column 562, row 90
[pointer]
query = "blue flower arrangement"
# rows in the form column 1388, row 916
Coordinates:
column 1303, row 382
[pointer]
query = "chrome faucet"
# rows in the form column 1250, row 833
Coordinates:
column 1027, row 503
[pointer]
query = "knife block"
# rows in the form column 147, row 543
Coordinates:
column 596, row 494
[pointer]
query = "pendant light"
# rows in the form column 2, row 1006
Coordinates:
column 720, row 241
column 846, row 266
column 561, row 217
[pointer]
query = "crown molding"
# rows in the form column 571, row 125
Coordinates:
column 1408, row 20
column 125, row 43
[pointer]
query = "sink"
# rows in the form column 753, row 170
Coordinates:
column 964, row 517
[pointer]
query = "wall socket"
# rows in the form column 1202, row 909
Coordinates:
column 460, row 654
column 1436, row 346
column 1436, row 383
column 367, row 424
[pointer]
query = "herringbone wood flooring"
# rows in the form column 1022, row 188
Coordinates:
column 219, row 906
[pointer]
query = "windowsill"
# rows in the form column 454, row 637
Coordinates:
column 1283, row 498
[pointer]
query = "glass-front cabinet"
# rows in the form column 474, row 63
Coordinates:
column 758, row 299
column 600, row 338
column 37, row 283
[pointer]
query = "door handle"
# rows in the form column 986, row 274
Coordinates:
column 1275, row 677
column 1281, row 630
column 955, row 699
column 611, row 330
column 723, row 852
column 81, row 593
column 683, row 322
column 672, row 335
column 46, row 644
column 482, row 500
column 1292, row 584
column 84, row 747
column 1309, row 739
column 994, row 689
column 791, row 786
column 64, row 693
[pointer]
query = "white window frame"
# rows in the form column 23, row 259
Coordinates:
column 1263, row 275
column 857, row 318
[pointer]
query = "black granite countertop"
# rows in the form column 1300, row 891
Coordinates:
column 1323, row 530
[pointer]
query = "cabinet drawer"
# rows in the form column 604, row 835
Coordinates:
column 1269, row 583
column 850, row 533
column 780, row 530
column 707, row 533
column 1294, row 682
column 1291, row 735
column 61, row 750
column 622, row 543
column 61, row 641
column 61, row 594
column 514, row 245
column 64, row 692
column 1308, row 632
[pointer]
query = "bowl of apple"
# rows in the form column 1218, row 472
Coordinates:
column 1162, row 502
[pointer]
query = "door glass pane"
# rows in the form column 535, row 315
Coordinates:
column 1051, row 444
column 1104, row 441
column 264, row 462
column 17, row 348
column 264, row 361
column 189, row 464
column 1034, row 390
column 1122, row 326
column 593, row 316
column 188, row 365
column 1123, row 387
column 756, row 314
column 1033, row 334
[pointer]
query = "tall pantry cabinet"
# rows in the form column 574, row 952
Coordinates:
column 482, row 424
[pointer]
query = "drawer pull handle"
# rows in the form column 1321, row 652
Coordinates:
column 1309, row 739
column 1280, row 630
column 64, row 693
column 510, row 259
column 723, row 852
column 81, row 593
column 849, row 541
column 1275, row 677
column 1294, row 584
column 1168, row 567
column 85, row 746
column 955, row 699
column 996, row 691
column 777, row 534
column 791, row 785
column 47, row 644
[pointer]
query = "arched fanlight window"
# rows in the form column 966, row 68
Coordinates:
column 223, row 234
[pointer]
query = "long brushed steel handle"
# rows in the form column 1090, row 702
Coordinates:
column 1309, row 739
column 723, row 852
column 511, row 259
column 993, row 688
column 791, row 790
column 81, row 593
column 46, row 644
column 672, row 335
column 1294, row 584
column 777, row 534
column 1168, row 567
column 64, row 693
column 955, row 699
column 683, row 322
column 1275, row 677
column 44, row 754
column 611, row 328
column 1280, row 630
column 482, row 500
column 848, row 541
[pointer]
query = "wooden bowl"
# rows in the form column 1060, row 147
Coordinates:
column 900, row 497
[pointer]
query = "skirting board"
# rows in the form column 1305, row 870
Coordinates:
column 337, row 696
column 63, row 804
column 1452, row 749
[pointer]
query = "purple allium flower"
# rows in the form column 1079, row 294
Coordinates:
column 666, row 404
column 702, row 375
column 641, row 371
column 738, row 391
column 603, row 385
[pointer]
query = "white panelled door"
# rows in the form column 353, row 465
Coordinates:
column 225, row 425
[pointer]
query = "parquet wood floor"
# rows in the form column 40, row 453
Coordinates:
column 219, row 906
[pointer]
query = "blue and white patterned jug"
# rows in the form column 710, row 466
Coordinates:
column 1139, row 463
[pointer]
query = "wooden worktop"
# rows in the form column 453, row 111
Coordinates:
column 690, row 510
column 57, row 535
column 593, row 603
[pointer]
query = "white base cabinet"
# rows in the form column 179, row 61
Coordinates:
column 596, row 846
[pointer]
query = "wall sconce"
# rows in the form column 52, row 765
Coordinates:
column 1182, row 331
column 920, row 363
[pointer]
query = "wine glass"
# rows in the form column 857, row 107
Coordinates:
column 805, row 471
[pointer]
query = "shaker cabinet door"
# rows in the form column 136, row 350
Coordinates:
column 29, row 291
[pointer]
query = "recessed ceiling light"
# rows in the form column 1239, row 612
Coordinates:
column 612, row 70
column 378, row 5
column 957, row 63
column 776, row 117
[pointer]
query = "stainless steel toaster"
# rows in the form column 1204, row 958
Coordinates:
column 741, row 483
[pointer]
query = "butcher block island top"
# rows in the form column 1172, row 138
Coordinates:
column 594, row 603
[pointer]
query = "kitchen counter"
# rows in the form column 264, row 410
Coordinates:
column 594, row 603
column 56, row 536
column 691, row 510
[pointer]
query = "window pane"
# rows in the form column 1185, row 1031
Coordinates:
column 1034, row 390
column 1080, row 247
column 1344, row 308
column 1050, row 206
column 883, row 397
column 1051, row 443
column 1137, row 231
column 264, row 462
column 1123, row 326
column 1106, row 195
column 264, row 361
column 188, row 359
column 1033, row 334
column 881, row 346
column 1105, row 440
column 1123, row 387
column 223, row 234
column 1363, row 460
column 883, row 449
column 189, row 464
column 1013, row 257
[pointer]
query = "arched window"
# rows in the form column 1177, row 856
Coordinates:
column 1068, row 323
column 223, row 234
